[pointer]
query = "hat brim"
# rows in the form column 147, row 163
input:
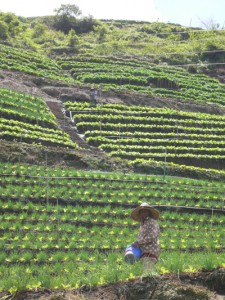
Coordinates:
column 154, row 213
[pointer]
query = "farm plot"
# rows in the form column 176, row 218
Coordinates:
column 26, row 118
column 66, row 228
column 133, row 133
column 144, row 77
column 30, row 62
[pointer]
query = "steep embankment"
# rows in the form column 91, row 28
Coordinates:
column 201, row 286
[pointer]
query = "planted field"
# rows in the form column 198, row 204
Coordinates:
column 144, row 77
column 26, row 118
column 135, row 132
column 30, row 62
column 73, row 226
column 117, row 73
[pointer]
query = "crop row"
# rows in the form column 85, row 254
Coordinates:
column 65, row 219
column 127, row 130
column 20, row 111
column 18, row 126
column 31, row 136
column 30, row 63
column 167, row 137
column 52, row 195
column 84, row 126
column 43, row 185
column 141, row 111
column 142, row 69
column 27, row 171
column 70, row 212
column 97, row 140
column 144, row 85
column 176, row 149
column 139, row 187
column 11, row 108
column 145, row 77
column 87, row 61
column 147, row 120
column 19, row 100
column 152, row 187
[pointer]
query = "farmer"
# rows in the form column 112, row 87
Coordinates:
column 94, row 96
column 148, row 236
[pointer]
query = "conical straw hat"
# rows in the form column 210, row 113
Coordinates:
column 154, row 213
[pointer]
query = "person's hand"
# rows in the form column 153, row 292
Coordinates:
column 135, row 244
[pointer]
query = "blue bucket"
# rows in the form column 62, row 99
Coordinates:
column 132, row 254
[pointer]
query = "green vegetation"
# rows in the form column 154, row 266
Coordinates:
column 26, row 118
column 192, row 139
column 70, row 33
column 144, row 77
column 71, row 223
column 30, row 63
column 64, row 227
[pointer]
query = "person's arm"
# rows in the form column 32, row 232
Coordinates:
column 135, row 244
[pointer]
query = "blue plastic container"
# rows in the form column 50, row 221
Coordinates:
column 132, row 254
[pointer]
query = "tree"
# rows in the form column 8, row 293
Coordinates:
column 85, row 25
column 39, row 30
column 68, row 10
column 12, row 22
column 73, row 38
column 66, row 17
column 101, row 30
column 210, row 24
column 4, row 32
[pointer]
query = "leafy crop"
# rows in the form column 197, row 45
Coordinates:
column 145, row 133
column 26, row 118
column 66, row 219
column 144, row 77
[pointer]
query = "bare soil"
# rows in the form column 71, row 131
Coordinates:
column 184, row 286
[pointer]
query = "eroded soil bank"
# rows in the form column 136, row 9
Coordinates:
column 184, row 286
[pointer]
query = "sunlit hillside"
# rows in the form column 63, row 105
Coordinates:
column 97, row 117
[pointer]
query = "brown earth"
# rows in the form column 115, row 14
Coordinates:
column 184, row 286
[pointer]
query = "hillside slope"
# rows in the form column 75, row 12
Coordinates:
column 56, row 93
column 32, row 203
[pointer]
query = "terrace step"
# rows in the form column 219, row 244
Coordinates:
column 58, row 110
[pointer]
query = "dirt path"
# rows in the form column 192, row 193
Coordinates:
column 65, row 124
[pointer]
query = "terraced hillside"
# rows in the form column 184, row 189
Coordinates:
column 144, row 134
column 144, row 77
column 25, row 118
column 68, row 228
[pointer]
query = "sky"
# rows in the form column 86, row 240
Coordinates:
column 193, row 13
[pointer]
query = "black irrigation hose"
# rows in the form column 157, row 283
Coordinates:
column 30, row 211
column 106, row 179
column 65, row 202
column 105, row 250
column 198, row 210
